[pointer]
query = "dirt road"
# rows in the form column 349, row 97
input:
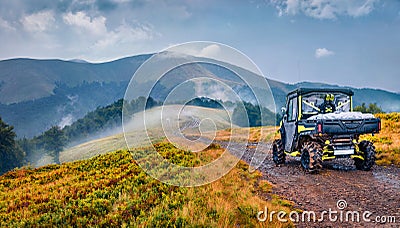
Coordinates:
column 376, row 191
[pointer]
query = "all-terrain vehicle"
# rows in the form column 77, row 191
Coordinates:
column 319, row 124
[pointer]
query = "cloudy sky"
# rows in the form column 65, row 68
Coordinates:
column 346, row 42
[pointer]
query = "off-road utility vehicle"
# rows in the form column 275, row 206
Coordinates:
column 319, row 124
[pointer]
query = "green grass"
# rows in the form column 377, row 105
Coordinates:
column 112, row 190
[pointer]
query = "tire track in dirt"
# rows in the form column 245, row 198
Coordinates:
column 377, row 191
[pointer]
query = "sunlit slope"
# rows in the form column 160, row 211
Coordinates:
column 111, row 190
column 93, row 148
column 189, row 122
column 387, row 142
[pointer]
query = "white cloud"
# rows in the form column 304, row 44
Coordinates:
column 95, row 25
column 364, row 9
column 4, row 24
column 323, row 52
column 292, row 6
column 38, row 22
column 325, row 9
column 125, row 34
column 102, row 36
column 210, row 51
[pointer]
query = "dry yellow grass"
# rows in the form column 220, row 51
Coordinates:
column 387, row 142
column 234, row 199
column 253, row 134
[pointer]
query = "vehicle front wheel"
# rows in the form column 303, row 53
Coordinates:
column 278, row 153
column 311, row 157
column 368, row 153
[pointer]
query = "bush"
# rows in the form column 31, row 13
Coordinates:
column 372, row 108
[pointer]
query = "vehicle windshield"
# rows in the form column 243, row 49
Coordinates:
column 312, row 103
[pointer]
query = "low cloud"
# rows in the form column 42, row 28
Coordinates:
column 323, row 52
column 324, row 9
column 38, row 22
column 212, row 50
column 66, row 121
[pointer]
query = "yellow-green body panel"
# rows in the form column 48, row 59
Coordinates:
column 301, row 128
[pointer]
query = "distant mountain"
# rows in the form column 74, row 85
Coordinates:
column 388, row 101
column 36, row 94
column 30, row 79
column 78, row 61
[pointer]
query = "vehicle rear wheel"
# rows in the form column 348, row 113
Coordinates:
column 278, row 153
column 311, row 157
column 368, row 150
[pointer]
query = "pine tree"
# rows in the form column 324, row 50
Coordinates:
column 11, row 155
column 54, row 142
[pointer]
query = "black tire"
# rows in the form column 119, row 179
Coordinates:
column 311, row 157
column 278, row 153
column 368, row 153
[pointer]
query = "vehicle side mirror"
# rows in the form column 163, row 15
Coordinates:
column 285, row 117
column 283, row 110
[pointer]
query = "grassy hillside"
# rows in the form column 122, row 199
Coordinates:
column 96, row 147
column 111, row 190
column 387, row 142
column 117, row 141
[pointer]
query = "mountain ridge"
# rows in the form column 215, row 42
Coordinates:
column 37, row 94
